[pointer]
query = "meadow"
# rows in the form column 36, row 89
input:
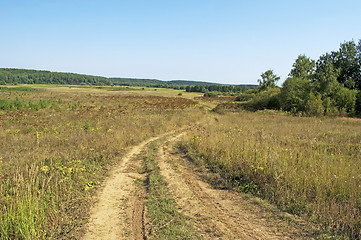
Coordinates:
column 307, row 166
column 57, row 145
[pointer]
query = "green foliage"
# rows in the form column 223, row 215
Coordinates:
column 303, row 67
column 314, row 106
column 268, row 80
column 326, row 79
column 335, row 83
column 244, row 97
column 18, row 104
column 294, row 94
column 346, row 99
column 224, row 89
column 358, row 104
column 17, row 89
column 24, row 76
column 269, row 98
column 210, row 94
column 347, row 61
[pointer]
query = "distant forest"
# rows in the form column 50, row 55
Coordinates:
column 24, row 76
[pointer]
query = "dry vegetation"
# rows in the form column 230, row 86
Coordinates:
column 53, row 157
column 305, row 165
column 57, row 144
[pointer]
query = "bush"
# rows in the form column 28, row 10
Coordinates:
column 346, row 99
column 315, row 106
column 294, row 94
column 358, row 104
column 210, row 94
column 269, row 98
column 244, row 97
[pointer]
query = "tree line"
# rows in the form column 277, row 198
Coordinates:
column 223, row 89
column 25, row 76
column 330, row 85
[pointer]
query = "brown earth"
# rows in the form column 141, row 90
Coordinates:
column 215, row 214
column 119, row 210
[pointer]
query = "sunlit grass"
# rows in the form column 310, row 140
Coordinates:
column 305, row 165
column 53, row 158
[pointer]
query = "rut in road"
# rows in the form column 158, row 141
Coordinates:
column 118, row 214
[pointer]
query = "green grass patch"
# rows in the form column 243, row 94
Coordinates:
column 17, row 89
column 166, row 221
column 18, row 104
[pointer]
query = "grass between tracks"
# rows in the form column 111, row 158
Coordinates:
column 165, row 221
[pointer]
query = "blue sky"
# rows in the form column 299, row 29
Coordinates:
column 224, row 41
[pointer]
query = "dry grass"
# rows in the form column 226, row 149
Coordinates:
column 307, row 166
column 51, row 159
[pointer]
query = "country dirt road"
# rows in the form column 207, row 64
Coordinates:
column 120, row 211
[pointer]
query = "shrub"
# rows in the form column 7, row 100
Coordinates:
column 210, row 94
column 244, row 97
column 314, row 105
column 346, row 99
column 295, row 93
column 267, row 99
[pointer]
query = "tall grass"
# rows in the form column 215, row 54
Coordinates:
column 307, row 166
column 52, row 159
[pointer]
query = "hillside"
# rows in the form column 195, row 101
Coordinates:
column 26, row 76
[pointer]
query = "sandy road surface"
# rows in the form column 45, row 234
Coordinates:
column 119, row 203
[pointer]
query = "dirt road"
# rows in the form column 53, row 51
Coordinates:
column 214, row 214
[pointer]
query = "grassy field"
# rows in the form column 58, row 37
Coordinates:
column 57, row 144
column 54, row 154
column 307, row 166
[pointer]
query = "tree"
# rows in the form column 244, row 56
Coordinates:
column 295, row 93
column 347, row 62
column 358, row 75
column 268, row 80
column 325, row 81
column 303, row 67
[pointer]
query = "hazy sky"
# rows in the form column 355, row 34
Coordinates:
column 224, row 41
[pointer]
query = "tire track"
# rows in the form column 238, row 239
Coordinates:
column 119, row 212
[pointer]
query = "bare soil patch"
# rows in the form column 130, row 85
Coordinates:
column 118, row 213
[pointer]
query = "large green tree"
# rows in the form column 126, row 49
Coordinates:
column 347, row 62
column 268, row 80
column 303, row 67
column 325, row 81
